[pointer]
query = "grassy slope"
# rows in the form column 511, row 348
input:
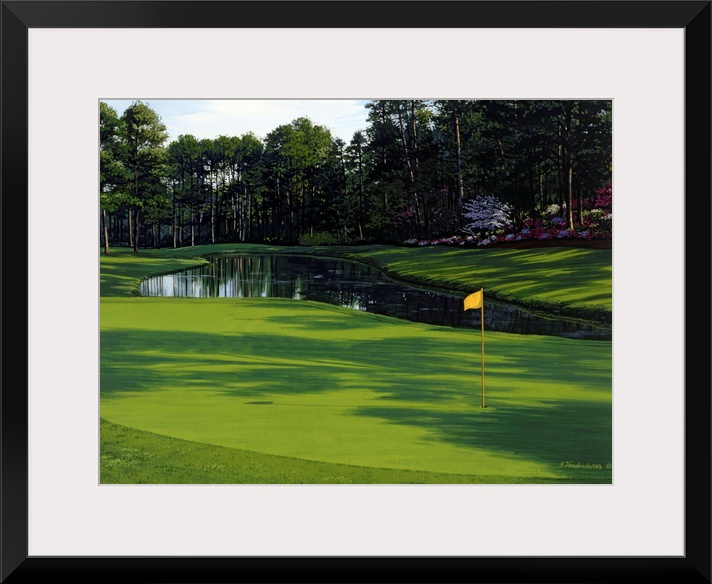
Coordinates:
column 271, row 378
column 566, row 280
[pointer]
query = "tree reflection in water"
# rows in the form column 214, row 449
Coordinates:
column 351, row 285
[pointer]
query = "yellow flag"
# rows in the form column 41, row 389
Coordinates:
column 474, row 300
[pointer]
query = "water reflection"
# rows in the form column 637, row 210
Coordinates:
column 351, row 285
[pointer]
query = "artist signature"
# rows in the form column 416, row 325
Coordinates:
column 585, row 465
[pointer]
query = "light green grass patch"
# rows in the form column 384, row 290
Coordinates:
column 329, row 385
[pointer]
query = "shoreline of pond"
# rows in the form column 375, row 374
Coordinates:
column 413, row 283
column 196, row 256
column 594, row 317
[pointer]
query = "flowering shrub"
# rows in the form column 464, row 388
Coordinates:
column 598, row 214
column 454, row 240
column 604, row 198
column 552, row 211
column 599, row 219
column 527, row 234
column 491, row 223
column 486, row 214
column 487, row 240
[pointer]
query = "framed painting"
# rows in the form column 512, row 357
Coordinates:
column 317, row 430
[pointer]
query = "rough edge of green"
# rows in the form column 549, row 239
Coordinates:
column 155, row 459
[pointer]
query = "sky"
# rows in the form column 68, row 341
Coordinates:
column 235, row 117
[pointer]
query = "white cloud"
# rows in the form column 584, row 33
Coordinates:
column 212, row 118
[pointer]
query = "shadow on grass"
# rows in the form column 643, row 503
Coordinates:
column 252, row 365
column 567, row 432
column 406, row 367
column 428, row 382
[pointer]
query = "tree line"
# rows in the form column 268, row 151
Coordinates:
column 408, row 174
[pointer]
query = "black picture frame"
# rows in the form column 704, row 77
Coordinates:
column 19, row 16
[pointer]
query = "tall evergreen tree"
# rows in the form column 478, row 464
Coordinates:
column 112, row 172
column 144, row 158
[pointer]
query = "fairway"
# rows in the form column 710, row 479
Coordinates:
column 323, row 384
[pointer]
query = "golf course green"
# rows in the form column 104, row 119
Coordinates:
column 269, row 390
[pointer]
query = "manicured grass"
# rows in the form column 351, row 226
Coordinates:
column 558, row 280
column 137, row 457
column 273, row 390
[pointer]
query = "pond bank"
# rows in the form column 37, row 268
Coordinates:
column 557, row 280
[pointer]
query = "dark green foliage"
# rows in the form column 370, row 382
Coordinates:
column 405, row 176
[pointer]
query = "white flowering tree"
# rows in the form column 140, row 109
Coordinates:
column 486, row 214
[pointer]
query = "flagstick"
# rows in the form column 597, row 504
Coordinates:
column 472, row 301
column 482, row 367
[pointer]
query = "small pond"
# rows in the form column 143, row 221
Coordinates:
column 351, row 285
